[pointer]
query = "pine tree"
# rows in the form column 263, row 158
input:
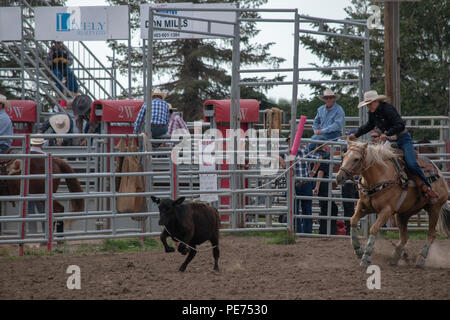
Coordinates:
column 197, row 68
column 424, row 55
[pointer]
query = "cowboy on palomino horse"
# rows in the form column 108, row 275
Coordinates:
column 380, row 193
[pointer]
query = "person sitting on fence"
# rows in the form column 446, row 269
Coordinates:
column 59, row 123
column 159, row 115
column 176, row 122
column 302, row 188
column 59, row 59
column 329, row 121
column 321, row 190
column 6, row 127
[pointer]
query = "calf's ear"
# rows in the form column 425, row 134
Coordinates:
column 155, row 200
column 179, row 201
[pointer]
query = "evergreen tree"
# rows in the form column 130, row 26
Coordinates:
column 424, row 55
column 197, row 68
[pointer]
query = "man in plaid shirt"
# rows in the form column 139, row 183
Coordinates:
column 159, row 118
column 303, row 188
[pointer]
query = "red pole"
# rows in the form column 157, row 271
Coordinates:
column 50, row 203
column 174, row 179
column 291, row 214
column 25, row 193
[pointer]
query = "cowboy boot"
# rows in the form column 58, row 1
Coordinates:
column 429, row 194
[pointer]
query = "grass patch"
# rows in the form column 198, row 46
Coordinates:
column 129, row 245
column 413, row 235
column 276, row 237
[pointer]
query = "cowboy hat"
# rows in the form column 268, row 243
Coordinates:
column 158, row 92
column 4, row 101
column 329, row 93
column 371, row 96
column 37, row 141
column 60, row 123
column 81, row 104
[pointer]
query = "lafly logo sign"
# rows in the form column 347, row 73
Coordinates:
column 81, row 22
column 62, row 22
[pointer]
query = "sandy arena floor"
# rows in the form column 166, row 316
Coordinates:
column 249, row 269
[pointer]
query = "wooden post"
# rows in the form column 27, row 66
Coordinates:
column 392, row 53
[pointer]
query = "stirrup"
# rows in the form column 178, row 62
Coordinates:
column 430, row 195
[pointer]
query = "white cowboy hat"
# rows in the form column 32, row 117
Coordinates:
column 158, row 92
column 37, row 141
column 371, row 96
column 329, row 93
column 60, row 123
column 3, row 100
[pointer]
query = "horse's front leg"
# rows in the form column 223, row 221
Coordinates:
column 360, row 212
column 383, row 216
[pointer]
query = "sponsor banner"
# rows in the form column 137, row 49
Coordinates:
column 186, row 24
column 81, row 23
column 208, row 163
column 10, row 24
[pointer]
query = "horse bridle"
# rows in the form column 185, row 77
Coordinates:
column 352, row 172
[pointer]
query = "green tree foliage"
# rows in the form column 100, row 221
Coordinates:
column 197, row 68
column 424, row 55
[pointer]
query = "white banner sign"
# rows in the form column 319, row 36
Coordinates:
column 81, row 23
column 187, row 24
column 208, row 163
column 10, row 24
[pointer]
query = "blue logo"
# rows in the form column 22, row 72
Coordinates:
column 63, row 22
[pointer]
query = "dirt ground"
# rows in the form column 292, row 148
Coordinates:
column 249, row 269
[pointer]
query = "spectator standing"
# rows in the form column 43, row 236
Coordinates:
column 36, row 207
column 6, row 128
column 159, row 117
column 321, row 190
column 329, row 121
column 59, row 59
column 303, row 188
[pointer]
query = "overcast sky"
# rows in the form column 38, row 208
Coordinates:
column 280, row 33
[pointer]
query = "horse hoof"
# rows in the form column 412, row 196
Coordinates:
column 170, row 249
column 182, row 268
column 420, row 262
column 359, row 253
column 364, row 263
column 393, row 261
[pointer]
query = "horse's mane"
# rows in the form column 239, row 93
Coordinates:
column 377, row 153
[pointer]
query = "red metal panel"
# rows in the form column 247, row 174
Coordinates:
column 249, row 109
column 22, row 111
column 116, row 110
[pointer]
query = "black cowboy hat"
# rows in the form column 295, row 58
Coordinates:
column 81, row 104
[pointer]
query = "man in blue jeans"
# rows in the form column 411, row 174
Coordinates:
column 329, row 121
column 302, row 188
column 6, row 128
column 159, row 118
column 59, row 59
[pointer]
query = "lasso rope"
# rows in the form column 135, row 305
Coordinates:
column 192, row 248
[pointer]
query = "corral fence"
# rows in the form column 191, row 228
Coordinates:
column 262, row 200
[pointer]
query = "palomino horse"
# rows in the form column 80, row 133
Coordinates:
column 384, row 194
column 37, row 166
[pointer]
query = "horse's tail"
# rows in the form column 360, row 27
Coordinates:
column 73, row 184
column 443, row 226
